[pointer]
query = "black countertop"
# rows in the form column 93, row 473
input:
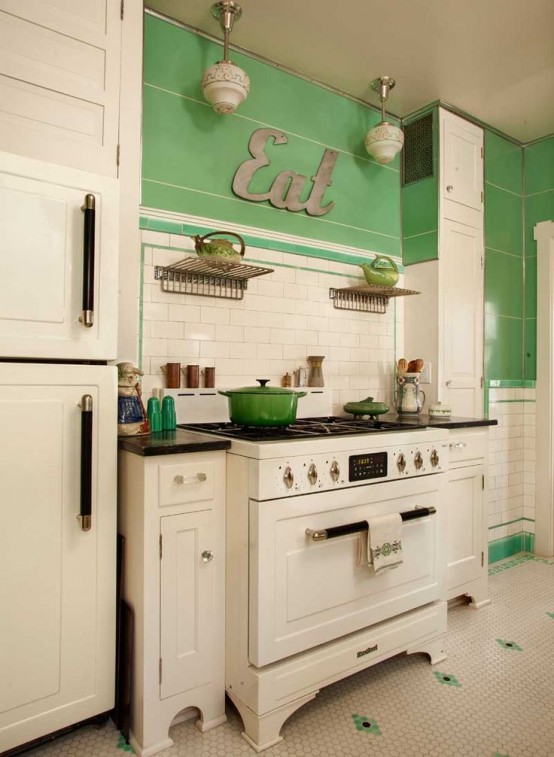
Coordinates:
column 169, row 443
column 426, row 421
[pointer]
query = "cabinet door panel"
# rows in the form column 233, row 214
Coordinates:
column 41, row 262
column 461, row 277
column 188, row 597
column 59, row 81
column 57, row 625
column 465, row 525
column 462, row 169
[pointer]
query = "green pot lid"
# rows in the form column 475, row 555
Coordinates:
column 262, row 389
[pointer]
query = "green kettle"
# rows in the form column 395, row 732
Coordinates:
column 378, row 275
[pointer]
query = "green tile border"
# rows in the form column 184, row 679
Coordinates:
column 176, row 227
column 511, row 384
column 500, row 549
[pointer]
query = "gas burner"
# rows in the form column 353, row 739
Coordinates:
column 302, row 428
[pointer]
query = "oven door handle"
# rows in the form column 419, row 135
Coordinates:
column 352, row 528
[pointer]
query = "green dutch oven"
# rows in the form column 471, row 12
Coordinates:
column 262, row 405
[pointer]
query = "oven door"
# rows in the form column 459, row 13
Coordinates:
column 304, row 593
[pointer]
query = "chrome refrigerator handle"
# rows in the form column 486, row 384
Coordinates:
column 85, row 514
column 89, row 210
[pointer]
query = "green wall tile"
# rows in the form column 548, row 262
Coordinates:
column 531, row 287
column 420, row 248
column 503, row 347
column 503, row 220
column 503, row 162
column 503, row 284
column 190, row 153
column 530, row 352
column 539, row 166
column 420, row 207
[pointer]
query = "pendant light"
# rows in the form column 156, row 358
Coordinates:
column 224, row 84
column 385, row 140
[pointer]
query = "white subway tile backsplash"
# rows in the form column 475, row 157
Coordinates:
column 167, row 330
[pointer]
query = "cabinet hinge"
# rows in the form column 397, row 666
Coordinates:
column 122, row 9
column 118, row 155
column 161, row 547
column 482, row 482
column 160, row 669
column 482, row 196
column 482, row 151
column 482, row 383
column 482, row 564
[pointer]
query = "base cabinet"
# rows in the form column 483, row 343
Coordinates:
column 171, row 514
column 467, row 564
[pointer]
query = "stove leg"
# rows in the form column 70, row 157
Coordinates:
column 434, row 648
column 262, row 731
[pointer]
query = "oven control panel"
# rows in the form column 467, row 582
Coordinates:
column 364, row 467
column 304, row 474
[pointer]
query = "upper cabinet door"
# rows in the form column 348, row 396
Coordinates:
column 59, row 81
column 461, row 164
column 46, row 250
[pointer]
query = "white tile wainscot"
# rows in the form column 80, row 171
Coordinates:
column 282, row 318
column 511, row 463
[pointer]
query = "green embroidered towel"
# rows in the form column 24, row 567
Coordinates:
column 381, row 546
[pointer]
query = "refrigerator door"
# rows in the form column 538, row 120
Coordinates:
column 57, row 593
column 58, row 262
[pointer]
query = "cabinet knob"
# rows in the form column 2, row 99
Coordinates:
column 180, row 480
column 450, row 188
column 448, row 383
column 207, row 555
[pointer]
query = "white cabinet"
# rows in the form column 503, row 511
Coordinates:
column 171, row 513
column 59, row 81
column 467, row 563
column 43, row 261
column 444, row 324
column 57, row 592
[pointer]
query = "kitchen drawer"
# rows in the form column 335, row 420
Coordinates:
column 186, row 483
column 467, row 445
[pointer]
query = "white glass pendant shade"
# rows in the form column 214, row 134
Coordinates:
column 225, row 86
column 384, row 141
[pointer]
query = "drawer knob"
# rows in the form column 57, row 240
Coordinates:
column 458, row 445
column 207, row 555
column 180, row 480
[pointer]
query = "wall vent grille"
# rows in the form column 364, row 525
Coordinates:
column 417, row 155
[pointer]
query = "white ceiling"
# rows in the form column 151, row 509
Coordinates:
column 493, row 59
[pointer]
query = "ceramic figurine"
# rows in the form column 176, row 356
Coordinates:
column 131, row 416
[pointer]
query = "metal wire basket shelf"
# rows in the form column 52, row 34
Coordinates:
column 208, row 277
column 367, row 299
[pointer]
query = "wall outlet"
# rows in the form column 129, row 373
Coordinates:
column 425, row 376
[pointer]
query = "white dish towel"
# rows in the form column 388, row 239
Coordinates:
column 381, row 546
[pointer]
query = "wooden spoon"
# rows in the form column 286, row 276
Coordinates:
column 402, row 365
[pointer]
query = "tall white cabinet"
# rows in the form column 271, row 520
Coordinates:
column 444, row 325
column 60, row 130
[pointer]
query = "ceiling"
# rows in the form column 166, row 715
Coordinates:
column 492, row 59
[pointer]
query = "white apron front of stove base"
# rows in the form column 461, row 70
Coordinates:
column 302, row 614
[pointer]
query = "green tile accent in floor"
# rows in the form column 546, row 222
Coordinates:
column 447, row 678
column 509, row 645
column 363, row 723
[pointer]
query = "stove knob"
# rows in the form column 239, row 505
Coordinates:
column 401, row 463
column 312, row 474
column 434, row 458
column 288, row 477
column 335, row 470
column 418, row 460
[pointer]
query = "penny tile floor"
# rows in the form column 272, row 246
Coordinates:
column 492, row 697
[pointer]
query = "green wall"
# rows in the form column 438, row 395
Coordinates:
column 420, row 213
column 539, row 206
column 504, row 260
column 190, row 153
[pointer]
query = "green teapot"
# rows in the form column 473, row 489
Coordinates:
column 378, row 275
column 218, row 249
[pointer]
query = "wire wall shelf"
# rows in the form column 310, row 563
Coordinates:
column 366, row 299
column 208, row 278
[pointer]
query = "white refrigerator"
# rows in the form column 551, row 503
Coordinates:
column 58, row 446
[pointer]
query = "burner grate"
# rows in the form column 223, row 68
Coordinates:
column 304, row 428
